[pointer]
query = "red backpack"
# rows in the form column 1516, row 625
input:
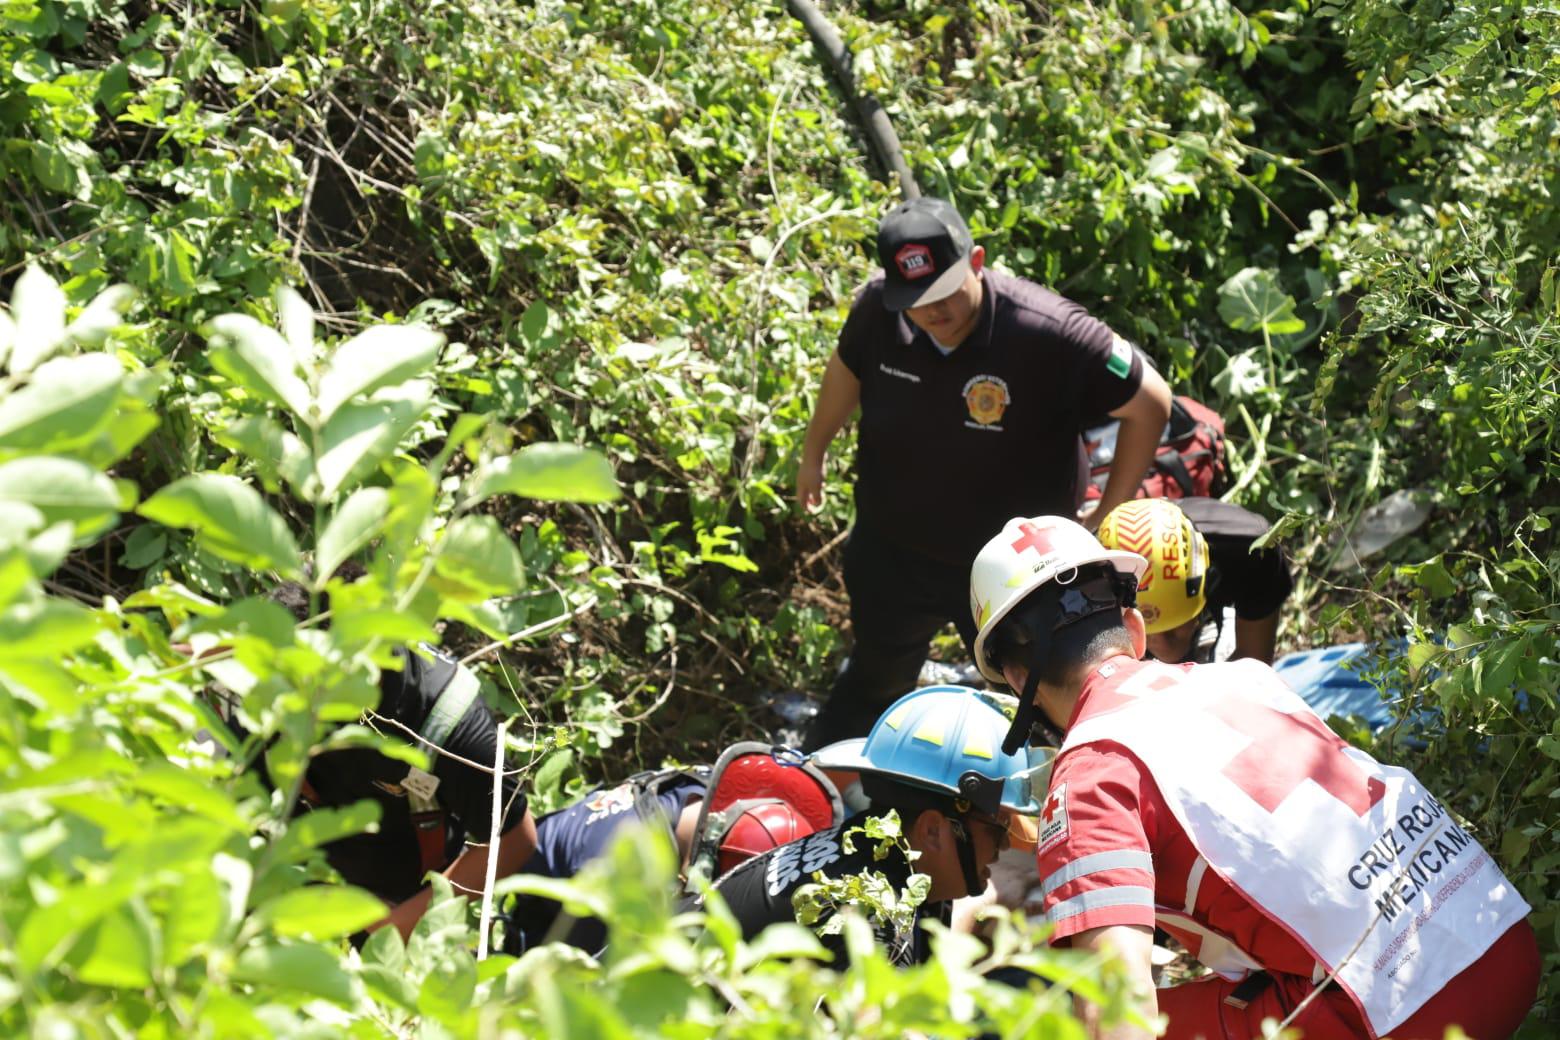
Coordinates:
column 1188, row 464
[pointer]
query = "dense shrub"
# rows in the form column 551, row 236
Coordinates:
column 637, row 226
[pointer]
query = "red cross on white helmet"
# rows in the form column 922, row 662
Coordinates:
column 1026, row 555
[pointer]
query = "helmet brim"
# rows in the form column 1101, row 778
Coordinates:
column 844, row 756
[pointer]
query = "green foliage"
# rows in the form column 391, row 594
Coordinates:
column 525, row 228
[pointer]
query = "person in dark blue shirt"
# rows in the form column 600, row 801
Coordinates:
column 756, row 798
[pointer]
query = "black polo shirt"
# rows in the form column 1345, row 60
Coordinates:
column 951, row 447
column 1254, row 583
column 759, row 891
column 388, row 862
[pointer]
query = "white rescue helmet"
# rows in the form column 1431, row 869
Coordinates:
column 1031, row 552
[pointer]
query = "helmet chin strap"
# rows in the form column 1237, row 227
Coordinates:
column 1044, row 612
column 973, row 886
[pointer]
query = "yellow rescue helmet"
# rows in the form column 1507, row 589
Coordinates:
column 1173, row 590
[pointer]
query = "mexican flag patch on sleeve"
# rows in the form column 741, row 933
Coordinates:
column 1119, row 364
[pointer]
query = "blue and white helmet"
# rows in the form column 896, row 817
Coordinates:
column 948, row 740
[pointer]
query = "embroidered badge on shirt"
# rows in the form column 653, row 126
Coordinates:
column 1119, row 364
column 420, row 784
column 987, row 398
column 610, row 802
column 1053, row 819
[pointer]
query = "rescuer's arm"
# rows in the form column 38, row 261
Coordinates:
column 1142, row 424
column 837, row 401
column 1133, row 944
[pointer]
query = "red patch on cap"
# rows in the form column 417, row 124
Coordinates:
column 914, row 261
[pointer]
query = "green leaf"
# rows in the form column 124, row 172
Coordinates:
column 1514, row 845
column 48, row 929
column 552, row 472
column 194, row 916
column 323, row 826
column 145, row 546
column 100, row 317
column 38, row 312
column 59, row 166
column 375, row 358
column 190, row 793
column 447, row 990
column 547, row 781
column 476, row 554
column 146, row 63
column 1432, row 576
column 115, row 952
column 385, row 949
column 278, row 453
column 297, row 969
column 259, row 360
column 296, row 319
column 352, row 627
column 49, row 629
column 66, row 403
column 361, row 436
column 230, row 520
column 1251, row 301
column 228, row 68
column 62, row 489
column 322, row 911
column 539, row 327
column 360, row 517
column 1421, row 654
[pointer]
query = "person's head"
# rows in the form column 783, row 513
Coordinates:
column 1049, row 603
column 931, row 268
column 936, row 757
column 1173, row 591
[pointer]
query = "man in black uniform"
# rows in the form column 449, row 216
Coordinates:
column 429, row 821
column 935, row 756
column 1201, row 563
column 970, row 375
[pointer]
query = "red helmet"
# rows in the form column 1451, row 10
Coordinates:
column 760, row 828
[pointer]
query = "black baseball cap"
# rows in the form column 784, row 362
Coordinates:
column 925, row 248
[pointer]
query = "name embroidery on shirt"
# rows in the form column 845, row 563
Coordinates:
column 987, row 398
column 899, row 373
column 793, row 860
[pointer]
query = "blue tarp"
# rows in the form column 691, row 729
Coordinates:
column 1329, row 679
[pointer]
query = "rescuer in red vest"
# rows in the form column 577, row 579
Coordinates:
column 1318, row 885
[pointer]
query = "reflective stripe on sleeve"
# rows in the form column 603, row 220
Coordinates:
column 1121, row 859
column 1100, row 899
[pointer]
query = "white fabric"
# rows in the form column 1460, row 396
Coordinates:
column 1378, row 878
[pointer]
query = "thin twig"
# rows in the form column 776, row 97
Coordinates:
column 492, row 856
column 671, row 684
column 303, row 212
column 834, row 542
column 418, row 738
column 833, row 211
column 1317, row 989
column 526, row 633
